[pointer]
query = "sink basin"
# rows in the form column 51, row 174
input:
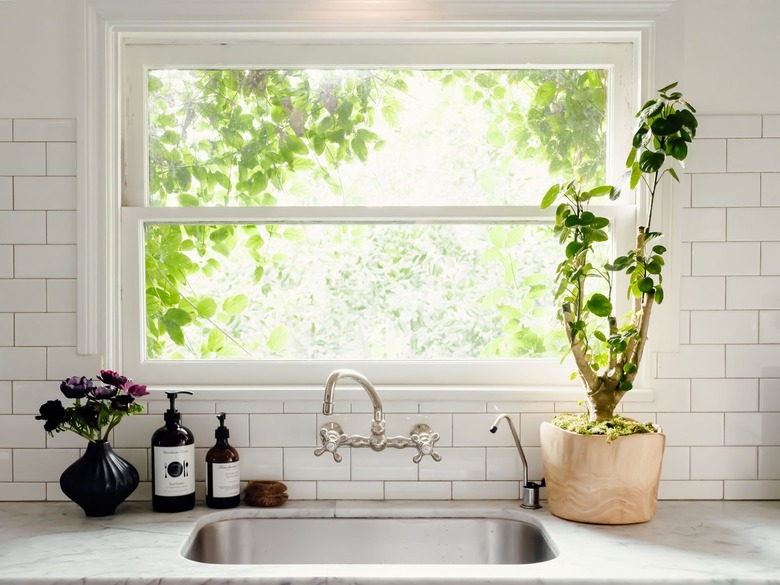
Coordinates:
column 368, row 540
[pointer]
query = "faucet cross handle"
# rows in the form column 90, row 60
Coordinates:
column 332, row 437
column 424, row 439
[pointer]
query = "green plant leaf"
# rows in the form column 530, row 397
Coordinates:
column 206, row 308
column 645, row 285
column 550, row 197
column 178, row 316
column 650, row 161
column 599, row 305
column 236, row 304
column 278, row 339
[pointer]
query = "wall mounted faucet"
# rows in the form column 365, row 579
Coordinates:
column 420, row 437
column 530, row 488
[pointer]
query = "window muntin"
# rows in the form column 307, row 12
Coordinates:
column 466, row 211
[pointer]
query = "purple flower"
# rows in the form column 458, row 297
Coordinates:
column 76, row 386
column 102, row 392
column 136, row 390
column 52, row 413
column 112, row 378
column 122, row 402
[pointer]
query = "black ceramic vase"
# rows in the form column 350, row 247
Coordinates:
column 100, row 480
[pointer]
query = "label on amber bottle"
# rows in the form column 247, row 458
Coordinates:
column 174, row 470
column 224, row 479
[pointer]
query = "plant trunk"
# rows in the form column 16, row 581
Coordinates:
column 603, row 400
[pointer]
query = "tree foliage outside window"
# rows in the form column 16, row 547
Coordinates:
column 361, row 138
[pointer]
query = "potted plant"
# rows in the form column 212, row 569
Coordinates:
column 99, row 480
column 600, row 467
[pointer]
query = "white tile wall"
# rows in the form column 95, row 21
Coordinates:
column 717, row 398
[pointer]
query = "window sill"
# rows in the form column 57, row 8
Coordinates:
column 391, row 393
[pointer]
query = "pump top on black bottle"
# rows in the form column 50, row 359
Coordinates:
column 172, row 416
column 222, row 432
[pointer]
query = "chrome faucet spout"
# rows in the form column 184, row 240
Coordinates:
column 494, row 428
column 330, row 388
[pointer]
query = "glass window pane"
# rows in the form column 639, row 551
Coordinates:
column 371, row 137
column 350, row 291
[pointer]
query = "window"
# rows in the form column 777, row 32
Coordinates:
column 293, row 206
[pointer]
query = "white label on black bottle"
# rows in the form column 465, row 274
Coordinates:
column 174, row 470
column 225, row 479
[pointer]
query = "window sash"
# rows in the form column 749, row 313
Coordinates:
column 355, row 51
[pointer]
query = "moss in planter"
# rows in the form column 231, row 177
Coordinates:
column 616, row 427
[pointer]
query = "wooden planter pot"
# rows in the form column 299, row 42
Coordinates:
column 591, row 480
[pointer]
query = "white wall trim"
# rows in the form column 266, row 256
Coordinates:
column 109, row 24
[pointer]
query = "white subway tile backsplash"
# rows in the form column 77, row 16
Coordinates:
column 770, row 258
column 22, row 363
column 692, row 429
column 6, row 398
column 457, row 463
column 702, row 292
column 249, row 406
column 21, row 432
column 752, row 155
column 45, row 193
column 6, row 261
column 45, row 130
column 770, row 189
column 676, row 463
column 301, row 490
column 485, row 490
column 751, row 490
column 63, row 362
column 669, row 395
column 390, row 464
column 709, row 156
column 753, row 292
column 22, row 227
column 49, row 329
column 743, row 126
column 6, row 329
column 290, row 430
column 690, row 490
column 769, row 395
column 451, row 406
column 769, row 463
column 724, row 395
column 6, row 193
column 6, row 130
column 418, row 490
column 529, row 427
column 752, row 225
column 6, row 465
column 748, row 361
column 726, row 190
column 725, row 258
column 22, row 492
column 42, row 464
column 61, row 159
column 692, row 361
column 724, row 462
column 350, row 490
column 761, row 428
column 58, row 261
column 724, row 327
column 503, row 463
column 261, row 464
column 470, row 430
column 22, row 159
column 771, row 126
column 301, row 464
column 61, row 295
column 769, row 327
column 685, row 327
column 703, row 224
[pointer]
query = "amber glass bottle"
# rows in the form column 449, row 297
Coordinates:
column 223, row 481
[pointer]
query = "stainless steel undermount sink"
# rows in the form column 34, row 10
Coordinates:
column 368, row 540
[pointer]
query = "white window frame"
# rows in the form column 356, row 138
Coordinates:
column 111, row 27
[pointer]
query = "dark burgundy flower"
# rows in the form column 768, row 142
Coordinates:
column 89, row 413
column 122, row 402
column 112, row 378
column 102, row 392
column 76, row 386
column 136, row 390
column 52, row 413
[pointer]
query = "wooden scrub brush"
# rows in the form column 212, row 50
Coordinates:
column 265, row 494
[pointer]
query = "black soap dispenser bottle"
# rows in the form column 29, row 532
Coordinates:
column 223, row 472
column 173, row 463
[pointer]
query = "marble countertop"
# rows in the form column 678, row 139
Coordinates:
column 686, row 542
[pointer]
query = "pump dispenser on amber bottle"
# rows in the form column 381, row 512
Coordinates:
column 173, row 463
column 223, row 474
